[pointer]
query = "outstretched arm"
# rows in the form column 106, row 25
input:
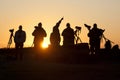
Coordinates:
column 58, row 23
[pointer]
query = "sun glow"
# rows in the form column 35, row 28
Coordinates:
column 44, row 45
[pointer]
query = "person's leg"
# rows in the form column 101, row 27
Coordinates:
column 92, row 46
column 16, row 50
column 91, row 49
column 97, row 46
column 21, row 51
column 16, row 45
column 37, row 44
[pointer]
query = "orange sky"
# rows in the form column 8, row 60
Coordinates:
column 30, row 12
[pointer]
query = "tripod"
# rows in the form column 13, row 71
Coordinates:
column 10, row 39
column 106, row 39
column 77, row 33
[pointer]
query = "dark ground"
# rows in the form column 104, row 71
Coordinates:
column 59, row 64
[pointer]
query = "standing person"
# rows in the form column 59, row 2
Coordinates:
column 19, row 39
column 95, row 35
column 39, row 33
column 68, row 35
column 108, row 45
column 55, row 35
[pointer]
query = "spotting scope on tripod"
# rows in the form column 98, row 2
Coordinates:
column 77, row 33
column 10, row 38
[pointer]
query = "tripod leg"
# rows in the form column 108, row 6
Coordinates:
column 9, row 43
column 80, row 40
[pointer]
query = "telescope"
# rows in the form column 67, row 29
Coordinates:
column 11, row 30
column 102, row 30
column 35, row 27
column 87, row 26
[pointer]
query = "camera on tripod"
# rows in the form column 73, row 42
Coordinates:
column 78, row 28
column 10, row 39
column 77, row 32
column 11, row 30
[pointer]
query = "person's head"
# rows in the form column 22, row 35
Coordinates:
column 20, row 27
column 40, row 25
column 68, row 25
column 95, row 25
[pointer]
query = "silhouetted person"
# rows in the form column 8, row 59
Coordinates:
column 55, row 35
column 68, row 36
column 108, row 45
column 115, row 50
column 95, row 35
column 39, row 33
column 19, row 39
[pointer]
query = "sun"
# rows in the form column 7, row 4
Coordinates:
column 44, row 45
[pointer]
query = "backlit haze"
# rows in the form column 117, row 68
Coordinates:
column 28, row 13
